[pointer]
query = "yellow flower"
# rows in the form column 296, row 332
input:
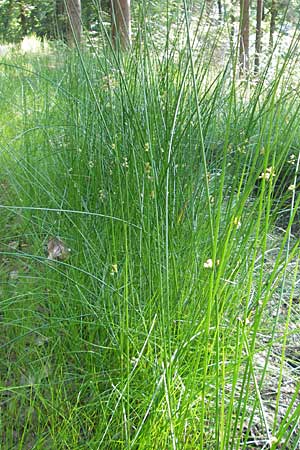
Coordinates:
column 101, row 195
column 148, row 168
column 268, row 174
column 109, row 82
column 114, row 269
column 125, row 163
column 292, row 159
column 209, row 263
column 237, row 222
column 292, row 187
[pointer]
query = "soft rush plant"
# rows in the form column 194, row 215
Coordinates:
column 172, row 322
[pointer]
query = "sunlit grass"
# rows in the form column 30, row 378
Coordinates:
column 169, row 323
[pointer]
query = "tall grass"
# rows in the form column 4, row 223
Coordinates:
column 173, row 322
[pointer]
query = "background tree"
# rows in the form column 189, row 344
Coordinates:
column 219, row 2
column 272, row 24
column 74, row 17
column 20, row 18
column 121, row 23
column 231, row 18
column 244, row 37
column 259, row 13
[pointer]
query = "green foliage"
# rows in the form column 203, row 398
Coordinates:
column 45, row 18
column 17, row 19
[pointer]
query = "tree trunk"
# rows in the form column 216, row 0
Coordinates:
column 220, row 10
column 259, row 12
column 232, row 23
column 244, row 37
column 272, row 24
column 74, row 22
column 209, row 8
column 121, row 23
column 23, row 19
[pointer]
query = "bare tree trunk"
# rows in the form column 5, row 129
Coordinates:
column 220, row 10
column 121, row 23
column 259, row 12
column 244, row 37
column 74, row 22
column 232, row 22
column 272, row 24
column 209, row 8
column 60, row 19
column 23, row 19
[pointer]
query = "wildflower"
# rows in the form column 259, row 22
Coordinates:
column 114, row 269
column 148, row 168
column 125, row 163
column 146, row 147
column 91, row 164
column 101, row 195
column 237, row 222
column 292, row 187
column 292, row 159
column 134, row 361
column 209, row 263
column 109, row 82
column 268, row 174
column 113, row 146
column 212, row 199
